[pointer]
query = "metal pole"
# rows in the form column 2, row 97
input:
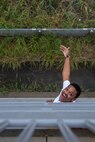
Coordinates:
column 59, row 31
column 68, row 135
column 90, row 125
column 3, row 125
column 27, row 133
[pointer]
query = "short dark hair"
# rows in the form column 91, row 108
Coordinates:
column 78, row 89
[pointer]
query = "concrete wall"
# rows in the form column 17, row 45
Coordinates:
column 29, row 75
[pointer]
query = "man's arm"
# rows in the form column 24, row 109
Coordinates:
column 66, row 67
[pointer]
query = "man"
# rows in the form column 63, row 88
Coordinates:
column 70, row 91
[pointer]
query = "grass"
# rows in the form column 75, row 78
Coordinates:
column 45, row 49
column 34, row 86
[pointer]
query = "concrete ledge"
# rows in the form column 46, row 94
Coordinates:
column 40, row 94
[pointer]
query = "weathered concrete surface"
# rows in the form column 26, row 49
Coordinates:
column 83, row 135
column 50, row 139
column 28, row 75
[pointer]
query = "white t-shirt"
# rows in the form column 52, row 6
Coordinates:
column 65, row 84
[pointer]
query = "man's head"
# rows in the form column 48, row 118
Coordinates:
column 70, row 93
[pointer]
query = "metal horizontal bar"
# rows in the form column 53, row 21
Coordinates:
column 47, row 123
column 68, row 135
column 3, row 125
column 31, row 108
column 47, row 114
column 27, row 133
column 59, row 31
column 63, row 125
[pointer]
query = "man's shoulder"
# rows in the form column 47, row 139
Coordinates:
column 66, row 83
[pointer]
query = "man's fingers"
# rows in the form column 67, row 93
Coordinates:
column 62, row 48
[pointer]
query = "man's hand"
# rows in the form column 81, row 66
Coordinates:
column 66, row 67
column 65, row 50
column 49, row 101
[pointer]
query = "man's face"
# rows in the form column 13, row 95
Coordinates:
column 68, row 94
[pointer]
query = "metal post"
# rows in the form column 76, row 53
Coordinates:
column 90, row 125
column 78, row 32
column 68, row 135
column 3, row 125
column 27, row 133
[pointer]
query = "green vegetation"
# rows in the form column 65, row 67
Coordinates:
column 45, row 49
column 18, row 87
column 47, row 13
column 15, row 51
